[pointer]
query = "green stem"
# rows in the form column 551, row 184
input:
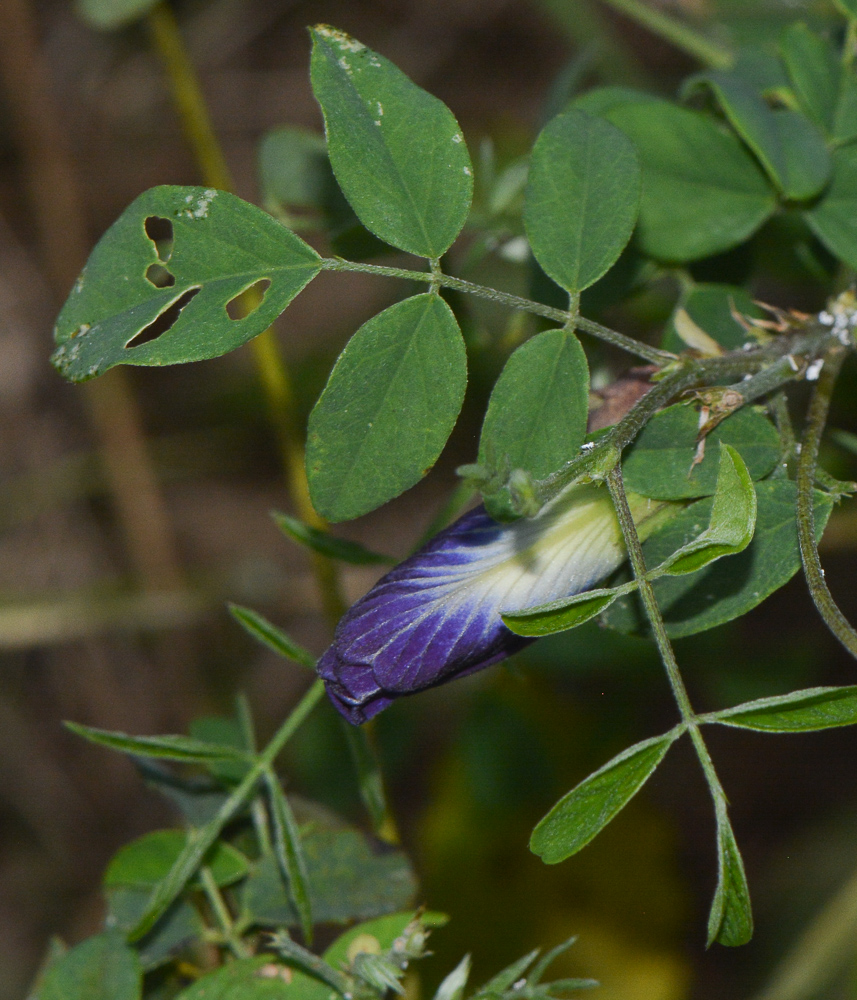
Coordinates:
column 222, row 914
column 169, row 888
column 807, row 461
column 681, row 35
column 559, row 316
column 656, row 621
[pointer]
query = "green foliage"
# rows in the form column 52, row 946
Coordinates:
column 730, row 588
column 702, row 191
column 582, row 198
column 326, row 544
column 164, row 284
column 184, row 749
column 713, row 308
column 536, row 417
column 730, row 921
column 145, row 861
column 269, row 635
column 798, row 712
column 101, row 968
column 662, row 463
column 106, row 15
column 588, row 808
column 389, row 406
column 397, row 151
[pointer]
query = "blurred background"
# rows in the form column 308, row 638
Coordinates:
column 133, row 508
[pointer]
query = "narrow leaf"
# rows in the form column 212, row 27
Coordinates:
column 730, row 921
column 536, row 416
column 581, row 814
column 328, row 545
column 505, row 978
column 798, row 712
column 184, row 749
column 733, row 519
column 397, row 151
column 452, row 987
column 702, row 191
column 582, row 197
column 289, row 852
column 567, row 613
column 390, row 404
column 165, row 282
column 271, row 636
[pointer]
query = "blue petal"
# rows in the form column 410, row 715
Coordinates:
column 436, row 616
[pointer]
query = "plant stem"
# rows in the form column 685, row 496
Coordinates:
column 656, row 621
column 559, row 316
column 222, row 914
column 186, row 864
column 807, row 461
column 681, row 35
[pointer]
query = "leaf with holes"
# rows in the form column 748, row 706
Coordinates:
column 185, row 273
column 390, row 404
column 397, row 151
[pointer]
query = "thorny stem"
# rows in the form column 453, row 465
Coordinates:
column 806, row 471
column 559, row 316
column 271, row 368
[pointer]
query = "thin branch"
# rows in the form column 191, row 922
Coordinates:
column 807, row 461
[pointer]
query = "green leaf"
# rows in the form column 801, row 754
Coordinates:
column 660, row 462
column 328, row 545
column 733, row 519
column 271, row 636
column 223, row 731
column 390, row 404
column 602, row 100
column 730, row 921
column 289, row 853
column 813, row 70
column 507, row 977
column 180, row 925
column 348, row 880
column 730, row 588
column 702, row 191
column 145, row 861
column 259, row 978
column 845, row 125
column 564, row 614
column 397, row 151
column 798, row 712
column 834, row 218
column 847, row 7
column 184, row 749
column 711, row 306
column 163, row 283
column 106, row 15
column 101, row 968
column 788, row 145
column 536, row 417
column 582, row 197
column 581, row 814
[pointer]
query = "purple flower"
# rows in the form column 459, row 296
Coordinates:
column 436, row 616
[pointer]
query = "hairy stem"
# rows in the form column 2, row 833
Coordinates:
column 806, row 469
column 222, row 914
column 560, row 316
